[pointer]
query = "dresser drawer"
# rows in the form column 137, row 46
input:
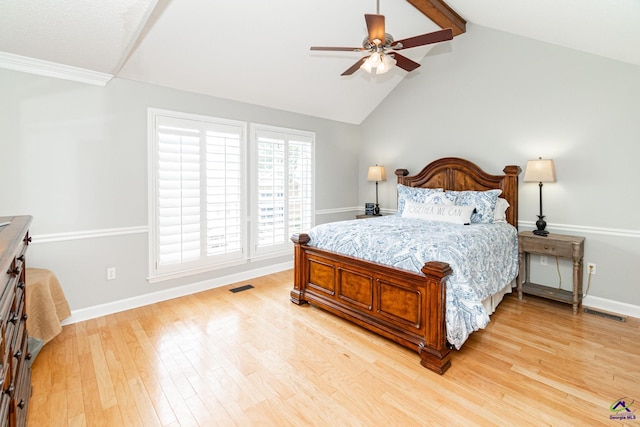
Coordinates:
column 7, row 304
column 23, row 389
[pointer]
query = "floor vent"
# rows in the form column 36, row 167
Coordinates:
column 241, row 288
column 605, row 315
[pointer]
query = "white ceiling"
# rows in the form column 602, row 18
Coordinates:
column 257, row 51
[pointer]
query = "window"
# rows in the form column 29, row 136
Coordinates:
column 198, row 198
column 197, row 193
column 282, row 187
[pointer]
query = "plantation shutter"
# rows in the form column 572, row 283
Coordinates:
column 178, row 193
column 300, row 186
column 198, row 189
column 271, row 191
column 224, row 193
column 283, row 192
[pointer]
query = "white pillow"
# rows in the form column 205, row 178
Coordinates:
column 434, row 212
column 500, row 212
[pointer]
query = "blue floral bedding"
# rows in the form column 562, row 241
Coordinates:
column 484, row 258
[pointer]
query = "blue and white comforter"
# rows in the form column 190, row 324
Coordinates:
column 484, row 258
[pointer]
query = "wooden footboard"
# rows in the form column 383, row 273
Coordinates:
column 408, row 308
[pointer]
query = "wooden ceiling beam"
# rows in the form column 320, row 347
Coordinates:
column 440, row 13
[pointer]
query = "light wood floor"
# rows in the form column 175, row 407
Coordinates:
column 253, row 358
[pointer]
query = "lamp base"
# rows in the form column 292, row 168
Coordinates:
column 376, row 209
column 541, row 224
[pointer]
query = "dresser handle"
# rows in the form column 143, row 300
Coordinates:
column 21, row 258
column 27, row 240
column 14, row 318
column 25, row 317
column 14, row 272
column 28, row 356
column 18, row 354
column 21, row 404
column 21, row 285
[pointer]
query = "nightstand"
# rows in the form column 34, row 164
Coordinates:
column 556, row 245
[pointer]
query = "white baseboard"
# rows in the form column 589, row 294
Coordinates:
column 142, row 300
column 611, row 306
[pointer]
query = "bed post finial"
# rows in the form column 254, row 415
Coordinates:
column 401, row 173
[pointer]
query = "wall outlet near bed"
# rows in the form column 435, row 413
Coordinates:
column 111, row 273
column 543, row 260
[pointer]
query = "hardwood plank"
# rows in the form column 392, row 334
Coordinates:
column 102, row 373
column 253, row 358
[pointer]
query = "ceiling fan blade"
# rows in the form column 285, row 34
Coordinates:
column 355, row 66
column 421, row 40
column 340, row 49
column 404, row 62
column 375, row 26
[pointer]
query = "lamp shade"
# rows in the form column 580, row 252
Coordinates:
column 376, row 173
column 540, row 170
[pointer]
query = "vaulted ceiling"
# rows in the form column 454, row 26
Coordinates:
column 257, row 51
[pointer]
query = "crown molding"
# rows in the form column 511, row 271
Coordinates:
column 52, row 69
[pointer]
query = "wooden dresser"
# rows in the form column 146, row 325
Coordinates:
column 15, row 366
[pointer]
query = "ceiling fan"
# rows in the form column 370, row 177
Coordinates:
column 383, row 48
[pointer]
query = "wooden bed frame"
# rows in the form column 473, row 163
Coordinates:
column 406, row 307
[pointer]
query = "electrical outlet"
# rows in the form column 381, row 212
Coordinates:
column 591, row 268
column 111, row 273
column 543, row 260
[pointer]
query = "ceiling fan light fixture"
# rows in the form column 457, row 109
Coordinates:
column 375, row 59
column 381, row 62
column 371, row 62
column 378, row 60
column 387, row 63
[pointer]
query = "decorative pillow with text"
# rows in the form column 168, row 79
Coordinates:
column 438, row 212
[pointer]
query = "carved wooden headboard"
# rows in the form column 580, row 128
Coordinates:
column 452, row 173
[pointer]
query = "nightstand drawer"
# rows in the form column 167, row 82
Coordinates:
column 553, row 248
